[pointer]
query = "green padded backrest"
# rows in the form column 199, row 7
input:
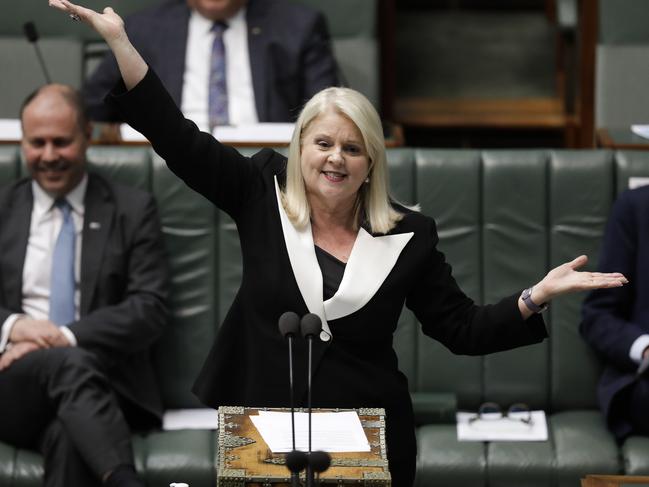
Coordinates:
column 448, row 189
column 127, row 165
column 21, row 71
column 190, row 227
column 582, row 188
column 9, row 163
column 630, row 164
column 514, row 255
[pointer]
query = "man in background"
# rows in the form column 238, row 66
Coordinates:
column 227, row 62
column 83, row 285
column 616, row 321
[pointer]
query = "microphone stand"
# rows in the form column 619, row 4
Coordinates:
column 311, row 325
column 295, row 460
column 29, row 28
column 309, row 467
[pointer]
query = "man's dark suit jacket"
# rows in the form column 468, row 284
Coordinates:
column 123, row 281
column 614, row 318
column 290, row 56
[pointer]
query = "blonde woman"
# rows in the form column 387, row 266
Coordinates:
column 320, row 234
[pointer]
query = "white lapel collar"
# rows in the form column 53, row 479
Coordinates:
column 370, row 262
column 301, row 253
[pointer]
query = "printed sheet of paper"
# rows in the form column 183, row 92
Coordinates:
column 331, row 432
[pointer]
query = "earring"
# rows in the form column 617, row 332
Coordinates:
column 367, row 180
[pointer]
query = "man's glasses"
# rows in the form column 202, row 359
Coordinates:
column 490, row 411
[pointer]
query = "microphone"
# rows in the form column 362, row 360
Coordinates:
column 319, row 461
column 311, row 326
column 289, row 327
column 29, row 28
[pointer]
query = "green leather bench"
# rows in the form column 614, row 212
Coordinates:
column 504, row 218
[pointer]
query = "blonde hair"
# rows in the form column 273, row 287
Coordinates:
column 374, row 202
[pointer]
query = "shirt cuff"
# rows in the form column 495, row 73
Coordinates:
column 7, row 326
column 69, row 335
column 638, row 347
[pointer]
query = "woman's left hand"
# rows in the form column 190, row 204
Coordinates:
column 566, row 279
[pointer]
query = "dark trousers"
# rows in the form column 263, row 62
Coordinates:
column 639, row 405
column 59, row 401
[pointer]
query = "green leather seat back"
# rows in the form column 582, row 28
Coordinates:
column 9, row 163
column 448, row 190
column 514, row 255
column 631, row 167
column 130, row 166
column 582, row 193
column 190, row 227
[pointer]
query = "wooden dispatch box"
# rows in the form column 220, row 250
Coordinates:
column 244, row 458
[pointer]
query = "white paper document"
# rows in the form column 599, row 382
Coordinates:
column 279, row 133
column 641, row 130
column 260, row 132
column 508, row 428
column 331, row 432
column 181, row 419
column 10, row 129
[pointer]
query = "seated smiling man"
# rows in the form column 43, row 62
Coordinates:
column 83, row 287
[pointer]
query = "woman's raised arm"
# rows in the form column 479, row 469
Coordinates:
column 110, row 26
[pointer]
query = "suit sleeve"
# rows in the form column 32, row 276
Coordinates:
column 216, row 171
column 133, row 322
column 606, row 314
column 449, row 316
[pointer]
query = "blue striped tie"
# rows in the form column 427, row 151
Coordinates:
column 62, row 310
column 218, row 88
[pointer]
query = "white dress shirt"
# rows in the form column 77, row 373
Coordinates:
column 241, row 96
column 46, row 221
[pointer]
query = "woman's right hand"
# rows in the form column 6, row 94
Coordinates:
column 108, row 24
column 111, row 27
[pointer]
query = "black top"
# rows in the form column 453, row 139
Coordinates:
column 332, row 272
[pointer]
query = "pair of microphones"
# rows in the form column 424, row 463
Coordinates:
column 291, row 327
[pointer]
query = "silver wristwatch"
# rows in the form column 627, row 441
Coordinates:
column 526, row 296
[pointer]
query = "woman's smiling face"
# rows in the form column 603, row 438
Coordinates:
column 334, row 160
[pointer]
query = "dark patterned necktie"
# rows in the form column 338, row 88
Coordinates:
column 218, row 89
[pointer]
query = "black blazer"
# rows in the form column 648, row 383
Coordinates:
column 358, row 366
column 614, row 318
column 123, row 280
column 289, row 47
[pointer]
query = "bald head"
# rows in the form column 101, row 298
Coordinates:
column 65, row 93
column 56, row 134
